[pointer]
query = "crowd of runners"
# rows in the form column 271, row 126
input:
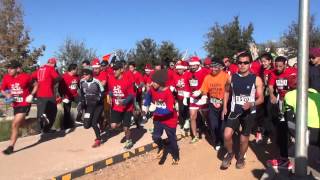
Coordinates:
column 216, row 97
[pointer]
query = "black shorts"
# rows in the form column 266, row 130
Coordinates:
column 121, row 117
column 21, row 109
column 246, row 121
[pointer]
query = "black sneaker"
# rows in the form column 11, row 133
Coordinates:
column 8, row 151
column 226, row 162
column 240, row 163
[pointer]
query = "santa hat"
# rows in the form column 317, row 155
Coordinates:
column 194, row 60
column 106, row 57
column 181, row 65
column 52, row 60
column 148, row 67
column 207, row 61
column 95, row 63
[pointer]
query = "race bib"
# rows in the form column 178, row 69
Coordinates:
column 73, row 86
column 216, row 101
column 241, row 100
column 180, row 93
column 87, row 115
column 18, row 99
column 161, row 104
column 118, row 101
column 281, row 83
column 193, row 82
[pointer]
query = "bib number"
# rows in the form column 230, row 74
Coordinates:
column 87, row 115
column 281, row 83
column 180, row 93
column 217, row 103
column 73, row 86
column 18, row 99
column 241, row 100
column 193, row 82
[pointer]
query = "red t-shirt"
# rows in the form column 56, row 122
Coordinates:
column 121, row 89
column 45, row 76
column 68, row 86
column 266, row 75
column 181, row 84
column 18, row 87
column 164, row 99
column 171, row 74
column 147, row 79
column 255, row 68
column 196, row 78
column 232, row 69
column 138, row 79
column 280, row 81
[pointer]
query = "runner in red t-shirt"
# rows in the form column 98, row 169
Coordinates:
column 15, row 85
column 121, row 96
column 147, row 77
column 230, row 68
column 160, row 101
column 46, row 76
column 198, row 102
column 68, row 88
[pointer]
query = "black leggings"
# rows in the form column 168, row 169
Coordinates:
column 92, row 118
column 47, row 106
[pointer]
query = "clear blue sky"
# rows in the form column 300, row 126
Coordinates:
column 108, row 25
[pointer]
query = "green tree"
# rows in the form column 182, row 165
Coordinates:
column 145, row 52
column 228, row 39
column 14, row 39
column 168, row 52
column 73, row 51
column 290, row 37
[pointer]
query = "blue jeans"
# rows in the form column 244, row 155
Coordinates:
column 171, row 133
column 215, row 123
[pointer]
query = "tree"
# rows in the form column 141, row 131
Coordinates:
column 168, row 52
column 290, row 37
column 14, row 39
column 73, row 51
column 145, row 52
column 228, row 39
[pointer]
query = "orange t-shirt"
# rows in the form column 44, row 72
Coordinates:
column 215, row 85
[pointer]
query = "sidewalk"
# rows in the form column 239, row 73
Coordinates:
column 62, row 152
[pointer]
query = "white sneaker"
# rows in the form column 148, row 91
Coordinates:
column 186, row 124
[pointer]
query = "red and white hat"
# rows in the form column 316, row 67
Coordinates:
column 95, row 63
column 194, row 60
column 52, row 60
column 148, row 68
column 181, row 65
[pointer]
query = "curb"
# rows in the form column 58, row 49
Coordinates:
column 109, row 161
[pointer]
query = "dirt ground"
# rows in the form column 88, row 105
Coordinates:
column 198, row 161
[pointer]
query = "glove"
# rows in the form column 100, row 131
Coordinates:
column 152, row 107
column 172, row 88
column 65, row 100
column 29, row 98
column 185, row 101
column 196, row 93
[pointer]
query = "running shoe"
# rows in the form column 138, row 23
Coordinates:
column 186, row 124
column 258, row 137
column 217, row 147
column 128, row 144
column 226, row 162
column 97, row 143
column 240, row 163
column 280, row 163
column 194, row 140
column 8, row 151
column 160, row 154
column 175, row 161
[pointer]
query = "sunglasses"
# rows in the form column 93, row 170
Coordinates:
column 243, row 62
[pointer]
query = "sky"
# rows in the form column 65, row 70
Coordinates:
column 109, row 25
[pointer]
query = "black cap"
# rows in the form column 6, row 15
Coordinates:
column 14, row 64
column 160, row 77
column 117, row 65
column 217, row 62
column 104, row 63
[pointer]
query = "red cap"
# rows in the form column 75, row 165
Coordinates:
column 194, row 60
column 106, row 57
column 148, row 67
column 314, row 52
column 207, row 61
column 95, row 62
column 52, row 60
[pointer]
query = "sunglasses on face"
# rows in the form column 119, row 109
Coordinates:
column 243, row 62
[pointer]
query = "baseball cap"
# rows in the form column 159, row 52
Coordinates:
column 314, row 52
